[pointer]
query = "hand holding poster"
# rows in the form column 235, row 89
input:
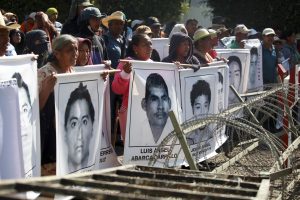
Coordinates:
column 24, row 69
column 11, row 157
column 79, row 109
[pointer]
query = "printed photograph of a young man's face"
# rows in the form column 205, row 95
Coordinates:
column 253, row 66
column 220, row 92
column 78, row 123
column 156, row 104
column 235, row 75
column 26, row 122
column 200, row 97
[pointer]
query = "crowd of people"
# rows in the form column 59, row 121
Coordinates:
column 90, row 37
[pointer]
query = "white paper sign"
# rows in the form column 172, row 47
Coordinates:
column 79, row 112
column 154, row 91
column 238, row 62
column 255, row 81
column 24, row 69
column 161, row 45
column 203, row 94
column 11, row 158
column 108, row 156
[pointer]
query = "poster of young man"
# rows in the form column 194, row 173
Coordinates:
column 202, row 97
column 161, row 45
column 154, row 91
column 79, row 112
column 24, row 70
column 255, row 81
column 238, row 63
column 108, row 156
column 11, row 156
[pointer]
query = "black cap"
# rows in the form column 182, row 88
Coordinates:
column 152, row 21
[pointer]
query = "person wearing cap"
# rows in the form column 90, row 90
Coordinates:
column 289, row 49
column 202, row 44
column 116, row 47
column 28, row 24
column 89, row 27
column 155, row 26
column 222, row 33
column 269, row 57
column 71, row 25
column 53, row 15
column 241, row 34
column 181, row 50
column 42, row 22
column 143, row 29
column 136, row 23
column 4, row 37
column 191, row 27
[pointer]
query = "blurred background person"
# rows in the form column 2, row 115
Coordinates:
column 71, row 24
column 53, row 15
column 17, row 39
column 84, row 52
column 191, row 27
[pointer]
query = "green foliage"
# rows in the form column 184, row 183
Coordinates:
column 25, row 7
column 284, row 14
column 165, row 10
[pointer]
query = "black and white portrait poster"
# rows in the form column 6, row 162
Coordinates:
column 11, row 156
column 255, row 81
column 79, row 112
column 154, row 91
column 202, row 95
column 238, row 63
column 108, row 156
column 161, row 45
column 24, row 70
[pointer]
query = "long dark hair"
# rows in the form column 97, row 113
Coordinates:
column 136, row 39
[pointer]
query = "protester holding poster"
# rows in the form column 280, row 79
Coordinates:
column 202, row 42
column 140, row 48
column 181, row 50
column 64, row 55
column 241, row 34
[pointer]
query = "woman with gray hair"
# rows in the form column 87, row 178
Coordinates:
column 63, row 58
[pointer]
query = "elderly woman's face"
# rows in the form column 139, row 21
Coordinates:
column 67, row 56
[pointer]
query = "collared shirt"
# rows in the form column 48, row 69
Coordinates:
column 269, row 57
column 234, row 45
column 114, row 48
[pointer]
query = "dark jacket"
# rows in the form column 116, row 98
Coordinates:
column 70, row 27
column 175, row 41
column 99, row 51
column 20, row 47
